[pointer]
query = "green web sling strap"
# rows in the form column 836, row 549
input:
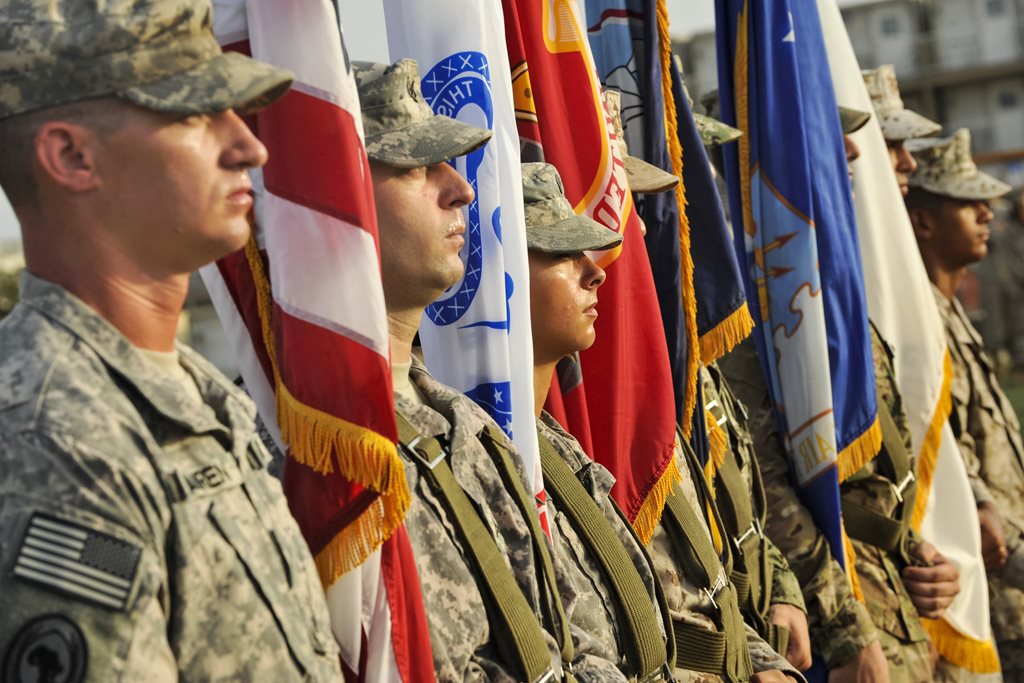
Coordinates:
column 644, row 644
column 871, row 526
column 514, row 625
column 723, row 652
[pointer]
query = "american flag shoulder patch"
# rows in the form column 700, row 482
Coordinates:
column 77, row 561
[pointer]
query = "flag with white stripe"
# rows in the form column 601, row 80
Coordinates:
column 77, row 561
column 476, row 337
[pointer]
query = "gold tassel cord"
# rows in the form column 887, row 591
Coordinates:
column 859, row 453
column 929, row 455
column 649, row 515
column 689, row 299
column 718, row 448
column 977, row 656
column 851, row 568
column 313, row 437
column 724, row 336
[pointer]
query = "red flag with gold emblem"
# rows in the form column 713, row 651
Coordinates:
column 624, row 390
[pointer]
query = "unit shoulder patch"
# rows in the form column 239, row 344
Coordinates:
column 48, row 648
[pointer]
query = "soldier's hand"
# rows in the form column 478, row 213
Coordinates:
column 869, row 666
column 798, row 649
column 932, row 586
column 993, row 540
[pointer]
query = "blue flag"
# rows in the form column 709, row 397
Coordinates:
column 796, row 236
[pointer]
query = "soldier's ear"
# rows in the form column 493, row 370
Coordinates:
column 65, row 156
column 923, row 223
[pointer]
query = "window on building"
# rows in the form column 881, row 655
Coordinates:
column 995, row 8
column 1008, row 99
column 890, row 25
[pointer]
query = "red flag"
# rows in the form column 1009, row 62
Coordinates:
column 626, row 384
column 304, row 309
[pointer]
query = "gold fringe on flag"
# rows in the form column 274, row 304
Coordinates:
column 859, row 453
column 719, row 447
column 977, row 656
column 685, row 258
column 851, row 567
column 729, row 332
column 313, row 437
column 929, row 454
column 649, row 516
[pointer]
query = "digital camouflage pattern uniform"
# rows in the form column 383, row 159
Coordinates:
column 988, row 432
column 191, row 565
column 719, row 399
column 594, row 610
column 900, row 632
column 463, row 647
column 982, row 418
column 688, row 604
column 840, row 627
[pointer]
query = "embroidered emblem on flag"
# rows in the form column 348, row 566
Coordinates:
column 78, row 561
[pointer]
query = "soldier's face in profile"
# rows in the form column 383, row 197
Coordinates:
column 176, row 188
column 419, row 215
column 903, row 164
column 961, row 230
column 563, row 304
column 852, row 154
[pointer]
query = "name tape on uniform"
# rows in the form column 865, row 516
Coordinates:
column 77, row 561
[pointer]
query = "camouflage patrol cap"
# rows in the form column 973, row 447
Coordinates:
column 158, row 54
column 712, row 131
column 898, row 122
column 400, row 127
column 946, row 167
column 552, row 227
column 644, row 178
column 852, row 120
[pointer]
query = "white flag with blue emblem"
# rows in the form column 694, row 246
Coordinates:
column 476, row 336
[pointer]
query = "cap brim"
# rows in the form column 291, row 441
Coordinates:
column 228, row 81
column 571, row 236
column 714, row 132
column 906, row 124
column 426, row 143
column 646, row 178
column 979, row 186
column 853, row 119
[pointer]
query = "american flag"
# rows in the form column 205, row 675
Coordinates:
column 78, row 561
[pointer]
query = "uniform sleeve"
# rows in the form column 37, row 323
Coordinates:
column 959, row 420
column 588, row 665
column 83, row 585
column 839, row 625
column 764, row 658
column 785, row 585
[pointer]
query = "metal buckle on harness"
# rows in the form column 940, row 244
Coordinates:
column 898, row 489
column 548, row 676
column 411, row 450
column 720, row 583
column 755, row 528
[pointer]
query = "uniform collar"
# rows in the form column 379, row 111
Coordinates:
column 228, row 403
column 466, row 423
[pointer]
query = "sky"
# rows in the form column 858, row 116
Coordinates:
column 365, row 39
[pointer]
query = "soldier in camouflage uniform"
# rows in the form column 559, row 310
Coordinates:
column 689, row 607
column 141, row 537
column 948, row 206
column 483, row 561
column 618, row 598
column 872, row 498
column 775, row 605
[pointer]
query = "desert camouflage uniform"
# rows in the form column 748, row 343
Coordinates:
column 989, row 436
column 460, row 637
column 785, row 588
column 688, row 604
column 840, row 627
column 175, row 505
column 900, row 632
column 594, row 611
